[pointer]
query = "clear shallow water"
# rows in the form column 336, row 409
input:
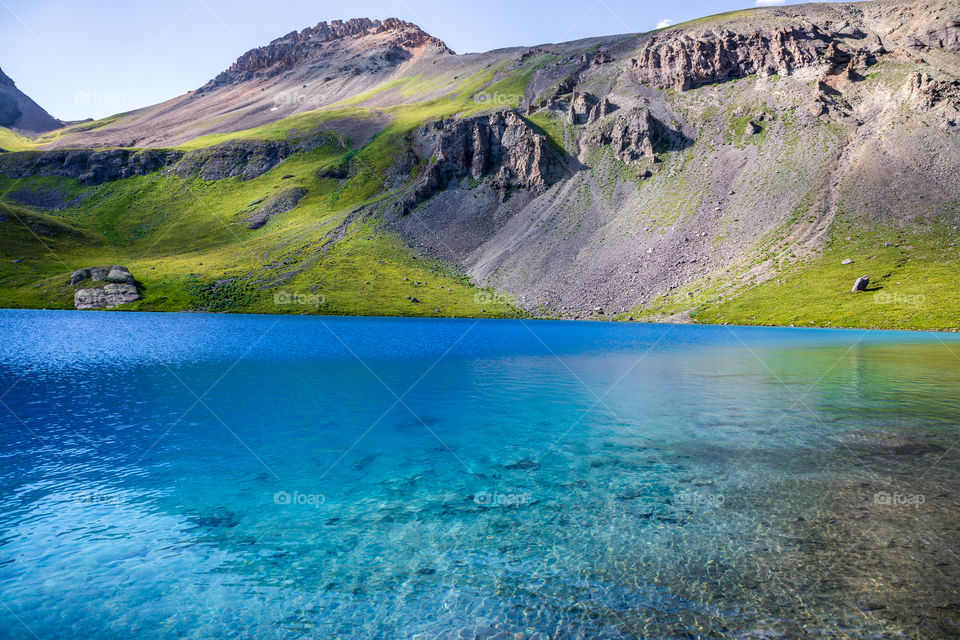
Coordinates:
column 194, row 476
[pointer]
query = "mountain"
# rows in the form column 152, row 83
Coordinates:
column 18, row 111
column 747, row 167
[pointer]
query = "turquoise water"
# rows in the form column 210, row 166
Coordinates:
column 208, row 476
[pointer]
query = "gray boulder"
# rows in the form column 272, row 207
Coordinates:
column 97, row 274
column 105, row 297
column 120, row 274
column 860, row 284
column 79, row 276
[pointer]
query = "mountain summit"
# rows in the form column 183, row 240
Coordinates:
column 385, row 43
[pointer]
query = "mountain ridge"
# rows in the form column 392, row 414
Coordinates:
column 18, row 111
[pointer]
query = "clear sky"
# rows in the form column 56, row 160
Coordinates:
column 96, row 58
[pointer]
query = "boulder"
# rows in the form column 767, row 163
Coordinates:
column 105, row 297
column 860, row 284
column 846, row 261
column 79, row 276
column 110, row 274
column 120, row 274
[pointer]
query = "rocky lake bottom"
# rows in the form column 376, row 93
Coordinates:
column 213, row 476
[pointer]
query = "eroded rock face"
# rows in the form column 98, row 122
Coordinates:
column 630, row 134
column 397, row 39
column 501, row 145
column 685, row 59
column 105, row 297
column 924, row 91
column 88, row 166
column 586, row 108
column 941, row 36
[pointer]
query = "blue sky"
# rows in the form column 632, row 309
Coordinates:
column 92, row 59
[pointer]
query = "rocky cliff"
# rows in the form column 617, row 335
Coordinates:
column 501, row 146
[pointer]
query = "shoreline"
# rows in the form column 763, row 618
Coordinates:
column 611, row 320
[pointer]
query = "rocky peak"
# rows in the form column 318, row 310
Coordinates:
column 5, row 79
column 398, row 37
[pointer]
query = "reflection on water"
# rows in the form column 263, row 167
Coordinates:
column 255, row 477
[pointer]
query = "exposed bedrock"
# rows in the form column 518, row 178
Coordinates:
column 88, row 166
column 501, row 145
column 631, row 134
column 247, row 159
column 682, row 60
column 274, row 206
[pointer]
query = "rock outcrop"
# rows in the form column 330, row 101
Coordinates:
column 116, row 274
column 105, row 297
column 501, row 145
column 88, row 166
column 247, row 159
column 631, row 134
column 924, row 91
column 275, row 205
column 586, row 108
column 394, row 39
column 121, row 287
column 685, row 59
column 942, row 36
